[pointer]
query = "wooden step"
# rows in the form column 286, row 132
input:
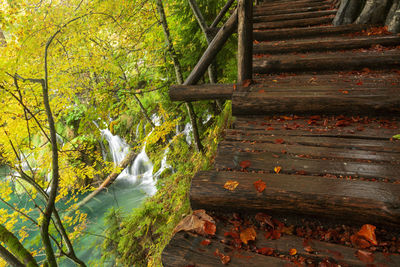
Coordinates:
column 274, row 12
column 290, row 33
column 349, row 200
column 340, row 61
column 325, row 44
column 302, row 15
column 303, row 101
column 293, row 23
column 189, row 249
column 289, row 5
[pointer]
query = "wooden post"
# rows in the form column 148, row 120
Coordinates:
column 245, row 40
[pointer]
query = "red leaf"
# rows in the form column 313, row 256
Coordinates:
column 342, row 123
column 264, row 218
column 261, row 91
column 359, row 83
column 265, row 251
column 210, row 228
column 205, row 242
column 232, row 234
column 276, row 234
column 368, row 232
column 246, row 83
column 279, row 141
column 293, row 251
column 359, row 242
column 259, row 185
column 365, row 256
column 270, row 129
column 245, row 164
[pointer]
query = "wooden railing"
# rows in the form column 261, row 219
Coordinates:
column 240, row 20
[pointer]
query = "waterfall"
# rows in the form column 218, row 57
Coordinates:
column 140, row 172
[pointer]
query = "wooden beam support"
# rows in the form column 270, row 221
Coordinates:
column 245, row 40
column 201, row 92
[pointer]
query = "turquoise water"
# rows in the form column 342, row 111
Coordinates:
column 123, row 194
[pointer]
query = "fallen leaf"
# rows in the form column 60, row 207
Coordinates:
column 225, row 259
column 205, row 242
column 279, row 141
column 261, row 91
column 359, row 242
column 249, row 234
column 246, row 83
column 198, row 222
column 278, row 169
column 270, row 129
column 293, row 251
column 264, row 218
column 209, row 228
column 368, row 232
column 259, row 185
column 275, row 81
column 275, row 235
column 234, row 87
column 365, row 256
column 359, row 83
column 265, row 251
column 231, row 185
column 245, row 164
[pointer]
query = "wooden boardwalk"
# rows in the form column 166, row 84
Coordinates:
column 315, row 127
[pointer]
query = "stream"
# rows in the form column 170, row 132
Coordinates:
column 131, row 188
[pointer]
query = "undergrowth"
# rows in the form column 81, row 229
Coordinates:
column 139, row 238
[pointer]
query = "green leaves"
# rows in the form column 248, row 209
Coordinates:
column 397, row 136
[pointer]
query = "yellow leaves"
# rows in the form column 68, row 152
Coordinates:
column 249, row 234
column 231, row 185
column 277, row 169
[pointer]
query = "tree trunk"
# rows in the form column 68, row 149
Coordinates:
column 348, row 12
column 16, row 248
column 109, row 180
column 392, row 11
column 2, row 39
column 178, row 72
column 394, row 24
column 373, row 12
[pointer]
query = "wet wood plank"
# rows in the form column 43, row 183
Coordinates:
column 352, row 200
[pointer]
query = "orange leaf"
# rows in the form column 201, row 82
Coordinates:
column 359, row 242
column 261, row 91
column 259, row 185
column 234, row 87
column 209, row 228
column 224, row 258
column 265, row 251
column 293, row 251
column 278, row 169
column 245, row 163
column 365, row 256
column 205, row 242
column 279, row 141
column 275, row 235
column 248, row 234
column 368, row 232
column 231, row 185
column 246, row 83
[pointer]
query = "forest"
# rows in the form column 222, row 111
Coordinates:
column 77, row 77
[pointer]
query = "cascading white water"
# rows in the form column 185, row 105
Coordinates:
column 140, row 172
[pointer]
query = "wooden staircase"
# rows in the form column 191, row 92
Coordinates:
column 315, row 126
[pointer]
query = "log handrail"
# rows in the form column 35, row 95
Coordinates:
column 245, row 40
column 242, row 18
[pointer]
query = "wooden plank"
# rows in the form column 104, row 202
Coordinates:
column 273, row 12
column 284, row 34
column 343, row 255
column 200, row 92
column 298, row 15
column 293, row 23
column 186, row 250
column 318, row 138
column 327, row 62
column 319, row 44
column 321, row 102
column 287, row 5
column 245, row 40
column 227, row 159
column 316, row 152
column 354, row 201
